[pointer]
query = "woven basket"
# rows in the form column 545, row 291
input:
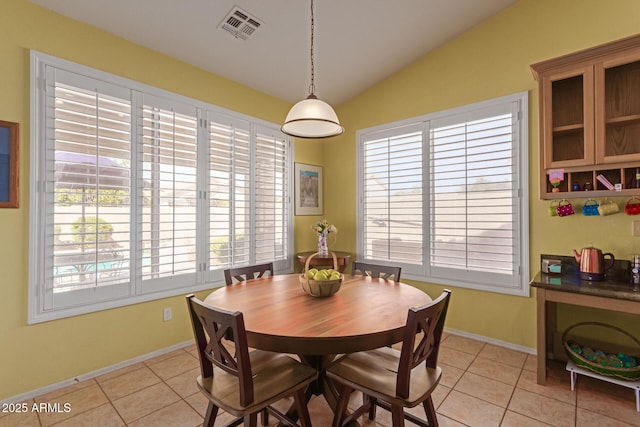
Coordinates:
column 320, row 288
column 628, row 374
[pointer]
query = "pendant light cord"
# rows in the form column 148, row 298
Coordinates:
column 312, row 86
column 312, row 117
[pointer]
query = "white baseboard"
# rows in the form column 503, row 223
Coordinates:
column 83, row 377
column 52, row 387
column 493, row 341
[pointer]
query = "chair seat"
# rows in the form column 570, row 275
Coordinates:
column 375, row 373
column 275, row 376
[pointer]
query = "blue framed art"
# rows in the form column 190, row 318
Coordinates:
column 308, row 189
column 8, row 164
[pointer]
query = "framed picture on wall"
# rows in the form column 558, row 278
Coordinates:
column 8, row 165
column 308, row 189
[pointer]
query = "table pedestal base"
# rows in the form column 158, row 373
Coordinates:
column 320, row 387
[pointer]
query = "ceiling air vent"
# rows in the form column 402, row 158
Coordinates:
column 239, row 23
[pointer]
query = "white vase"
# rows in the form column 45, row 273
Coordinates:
column 322, row 244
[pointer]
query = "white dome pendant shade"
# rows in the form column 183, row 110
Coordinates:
column 312, row 117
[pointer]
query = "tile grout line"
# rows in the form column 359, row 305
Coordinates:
column 475, row 356
column 111, row 402
column 514, row 391
column 183, row 399
column 515, row 386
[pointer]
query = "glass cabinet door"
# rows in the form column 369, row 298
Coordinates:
column 618, row 111
column 568, row 112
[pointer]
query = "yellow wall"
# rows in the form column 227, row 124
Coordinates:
column 33, row 356
column 489, row 61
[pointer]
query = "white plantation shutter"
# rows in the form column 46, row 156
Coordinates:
column 392, row 196
column 473, row 215
column 88, row 141
column 248, row 195
column 271, row 197
column 170, row 194
column 460, row 216
column 229, row 192
column 138, row 194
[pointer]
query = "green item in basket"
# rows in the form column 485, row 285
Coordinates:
column 628, row 361
column 588, row 353
column 604, row 359
column 619, row 365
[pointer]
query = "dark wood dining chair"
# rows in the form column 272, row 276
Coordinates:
column 375, row 270
column 394, row 379
column 241, row 274
column 240, row 382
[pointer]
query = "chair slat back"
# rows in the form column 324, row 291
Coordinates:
column 430, row 320
column 210, row 325
column 241, row 274
column 377, row 271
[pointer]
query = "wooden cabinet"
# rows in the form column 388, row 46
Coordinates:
column 590, row 119
column 568, row 133
column 618, row 107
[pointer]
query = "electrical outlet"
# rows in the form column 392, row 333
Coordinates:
column 636, row 228
column 166, row 314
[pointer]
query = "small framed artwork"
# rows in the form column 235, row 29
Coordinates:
column 308, row 188
column 8, row 165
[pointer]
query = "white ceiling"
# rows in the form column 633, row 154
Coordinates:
column 357, row 42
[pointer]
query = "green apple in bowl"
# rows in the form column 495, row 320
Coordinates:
column 320, row 275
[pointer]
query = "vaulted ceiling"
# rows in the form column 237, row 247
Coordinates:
column 357, row 42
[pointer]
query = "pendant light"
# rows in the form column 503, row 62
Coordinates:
column 312, row 117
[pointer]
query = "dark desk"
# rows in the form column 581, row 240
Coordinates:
column 615, row 293
column 325, row 260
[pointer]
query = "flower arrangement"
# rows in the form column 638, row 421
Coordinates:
column 323, row 227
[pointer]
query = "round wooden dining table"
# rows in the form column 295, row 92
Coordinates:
column 365, row 314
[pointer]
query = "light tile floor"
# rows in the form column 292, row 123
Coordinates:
column 482, row 385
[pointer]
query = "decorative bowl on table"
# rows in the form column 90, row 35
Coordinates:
column 321, row 283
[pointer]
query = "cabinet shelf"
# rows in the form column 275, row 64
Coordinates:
column 595, row 194
column 625, row 175
column 569, row 128
column 623, row 120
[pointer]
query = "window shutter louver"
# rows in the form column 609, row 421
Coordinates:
column 393, row 197
column 472, row 209
column 229, row 189
column 444, row 196
column 169, row 197
column 89, row 158
column 138, row 194
column 271, row 206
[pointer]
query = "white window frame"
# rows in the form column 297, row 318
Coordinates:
column 518, row 284
column 41, row 199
